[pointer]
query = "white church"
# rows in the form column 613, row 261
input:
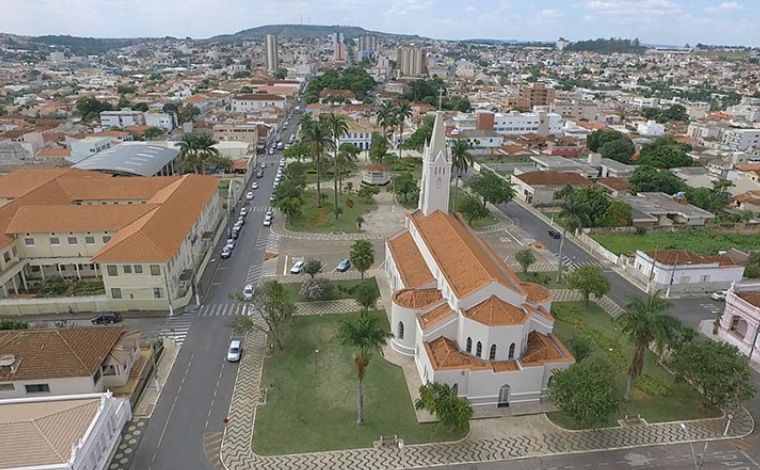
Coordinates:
column 459, row 310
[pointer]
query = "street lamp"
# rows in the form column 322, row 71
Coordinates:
column 691, row 445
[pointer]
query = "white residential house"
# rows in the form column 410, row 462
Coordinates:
column 742, row 139
column 123, row 118
column 459, row 310
column 650, row 129
column 165, row 121
column 256, row 102
column 673, row 270
column 83, row 148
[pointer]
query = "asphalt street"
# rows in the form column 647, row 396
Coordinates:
column 196, row 396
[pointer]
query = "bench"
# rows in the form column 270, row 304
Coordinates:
column 387, row 441
column 632, row 419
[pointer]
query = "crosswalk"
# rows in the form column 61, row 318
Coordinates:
column 572, row 264
column 265, row 240
column 225, row 310
column 177, row 328
column 254, row 274
column 258, row 208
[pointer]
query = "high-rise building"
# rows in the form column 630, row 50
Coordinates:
column 272, row 54
column 530, row 95
column 340, row 54
column 411, row 61
column 367, row 46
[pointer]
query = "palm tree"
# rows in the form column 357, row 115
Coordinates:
column 316, row 136
column 187, row 153
column 367, row 335
column 338, row 128
column 385, row 116
column 574, row 216
column 645, row 321
column 206, row 152
column 460, row 161
column 403, row 112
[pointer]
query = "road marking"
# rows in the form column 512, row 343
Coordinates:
column 169, row 418
column 746, row 455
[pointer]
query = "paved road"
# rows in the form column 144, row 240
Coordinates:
column 196, row 397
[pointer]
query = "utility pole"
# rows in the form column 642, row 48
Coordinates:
column 440, row 98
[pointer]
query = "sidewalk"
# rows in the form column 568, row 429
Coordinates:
column 144, row 407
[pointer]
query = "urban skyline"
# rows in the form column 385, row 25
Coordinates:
column 673, row 22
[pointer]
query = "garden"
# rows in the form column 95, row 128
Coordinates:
column 331, row 290
column 699, row 240
column 311, row 402
column 56, row 286
column 658, row 396
column 322, row 219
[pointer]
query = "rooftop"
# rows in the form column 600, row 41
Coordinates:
column 661, row 204
column 553, row 178
column 411, row 266
column 131, row 158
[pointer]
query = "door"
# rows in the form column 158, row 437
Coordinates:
column 504, row 392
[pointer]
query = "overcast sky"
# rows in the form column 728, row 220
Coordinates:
column 653, row 21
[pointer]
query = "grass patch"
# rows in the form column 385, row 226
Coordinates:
column 546, row 279
column 457, row 195
column 701, row 241
column 657, row 396
column 311, row 397
column 340, row 289
column 322, row 219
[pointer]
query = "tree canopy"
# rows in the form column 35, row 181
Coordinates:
column 674, row 113
column 355, row 79
column 442, row 401
column 611, row 144
column 665, row 152
column 586, row 392
column 647, row 179
column 492, row 188
column 588, row 280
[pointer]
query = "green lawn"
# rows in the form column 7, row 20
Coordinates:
column 657, row 397
column 547, row 279
column 458, row 194
column 340, row 289
column 316, row 219
column 311, row 396
column 701, row 241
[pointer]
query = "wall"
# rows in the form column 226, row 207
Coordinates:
column 64, row 386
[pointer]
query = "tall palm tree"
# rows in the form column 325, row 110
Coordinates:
column 461, row 159
column 645, row 321
column 385, row 116
column 367, row 335
column 338, row 128
column 207, row 154
column 316, row 136
column 403, row 112
column 187, row 153
column 574, row 216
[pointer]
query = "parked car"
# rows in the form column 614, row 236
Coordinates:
column 555, row 234
column 226, row 252
column 254, row 185
column 259, row 174
column 240, row 221
column 249, row 196
column 267, row 220
column 282, row 163
column 719, row 296
column 233, row 352
column 243, row 212
column 236, row 232
column 343, row 266
column 297, row 267
column 270, row 212
column 263, row 165
column 107, row 318
column 248, row 292
column 230, row 243
column 271, row 151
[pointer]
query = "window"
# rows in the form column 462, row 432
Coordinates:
column 492, row 354
column 400, row 330
column 37, row 388
column 89, row 239
column 138, row 269
column 479, row 349
column 96, row 377
column 72, row 240
column 127, row 269
column 55, row 241
column 155, row 270
column 469, row 345
column 157, row 293
column 109, row 370
column 112, row 270
column 106, row 238
column 116, row 293
column 7, row 388
column 6, row 256
column 29, row 241
column 512, row 351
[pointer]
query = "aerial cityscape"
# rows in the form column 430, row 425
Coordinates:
column 379, row 235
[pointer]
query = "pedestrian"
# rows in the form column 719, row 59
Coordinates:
column 70, row 310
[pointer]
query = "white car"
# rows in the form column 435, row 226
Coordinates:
column 271, row 151
column 248, row 292
column 233, row 352
column 719, row 295
column 268, row 221
column 277, row 180
column 297, row 267
column 254, row 185
column 282, row 162
column 249, row 196
column 243, row 212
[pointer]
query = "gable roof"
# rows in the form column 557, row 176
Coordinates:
column 412, row 267
column 68, row 218
column 542, row 348
column 52, row 354
column 495, row 312
column 465, row 259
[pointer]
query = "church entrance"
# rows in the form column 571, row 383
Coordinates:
column 504, row 392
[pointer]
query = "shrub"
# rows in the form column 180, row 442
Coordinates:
column 581, row 346
column 52, row 287
column 315, row 289
column 10, row 324
column 652, row 386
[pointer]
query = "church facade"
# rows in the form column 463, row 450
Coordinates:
column 459, row 310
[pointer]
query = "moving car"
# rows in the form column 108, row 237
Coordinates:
column 249, row 196
column 719, row 295
column 343, row 266
column 226, row 252
column 263, row 165
column 555, row 234
column 259, row 174
column 107, row 318
column 297, row 267
column 255, row 185
column 233, row 352
column 248, row 292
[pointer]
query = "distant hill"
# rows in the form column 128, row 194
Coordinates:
column 306, row 31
